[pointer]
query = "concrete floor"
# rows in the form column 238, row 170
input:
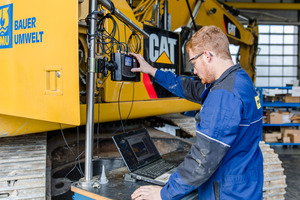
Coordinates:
column 290, row 157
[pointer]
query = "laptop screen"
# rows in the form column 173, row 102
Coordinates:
column 136, row 148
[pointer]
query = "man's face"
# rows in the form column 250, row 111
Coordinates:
column 201, row 68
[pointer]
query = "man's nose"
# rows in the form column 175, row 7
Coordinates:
column 194, row 71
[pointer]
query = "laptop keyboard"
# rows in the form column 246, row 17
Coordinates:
column 155, row 169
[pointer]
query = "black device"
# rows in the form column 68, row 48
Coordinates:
column 142, row 157
column 124, row 63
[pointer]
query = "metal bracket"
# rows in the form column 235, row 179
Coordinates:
column 91, row 64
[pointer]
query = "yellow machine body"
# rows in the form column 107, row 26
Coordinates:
column 39, row 56
column 40, row 85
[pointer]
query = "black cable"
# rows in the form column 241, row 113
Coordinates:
column 131, row 104
column 132, row 40
column 62, row 133
column 125, row 44
column 108, row 40
column 124, row 31
column 78, row 155
column 123, row 125
column 127, row 47
column 123, row 22
column 77, row 140
column 112, row 7
column 75, row 166
column 190, row 11
column 118, row 31
column 119, row 107
column 75, row 161
column 87, row 19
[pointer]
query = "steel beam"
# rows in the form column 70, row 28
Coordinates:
column 265, row 6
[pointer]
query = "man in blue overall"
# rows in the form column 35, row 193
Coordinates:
column 225, row 162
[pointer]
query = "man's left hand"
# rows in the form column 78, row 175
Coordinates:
column 147, row 192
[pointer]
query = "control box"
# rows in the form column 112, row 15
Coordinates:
column 124, row 64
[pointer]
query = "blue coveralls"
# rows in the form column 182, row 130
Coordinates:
column 225, row 162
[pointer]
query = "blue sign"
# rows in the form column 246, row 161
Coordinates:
column 6, row 26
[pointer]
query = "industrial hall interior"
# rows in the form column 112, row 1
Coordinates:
column 149, row 99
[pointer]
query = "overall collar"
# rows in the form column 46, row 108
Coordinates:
column 226, row 73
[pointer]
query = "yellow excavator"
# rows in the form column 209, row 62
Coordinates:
column 42, row 85
column 52, row 84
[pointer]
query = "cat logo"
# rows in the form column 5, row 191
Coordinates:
column 230, row 28
column 6, row 26
column 161, row 49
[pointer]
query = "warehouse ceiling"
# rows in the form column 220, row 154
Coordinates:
column 276, row 12
column 266, row 12
column 272, row 16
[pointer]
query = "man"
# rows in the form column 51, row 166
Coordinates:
column 225, row 162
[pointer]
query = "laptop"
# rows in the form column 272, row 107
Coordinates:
column 142, row 157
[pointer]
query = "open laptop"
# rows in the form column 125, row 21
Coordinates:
column 142, row 157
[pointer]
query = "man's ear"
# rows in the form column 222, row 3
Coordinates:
column 209, row 55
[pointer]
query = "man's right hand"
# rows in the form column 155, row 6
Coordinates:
column 145, row 67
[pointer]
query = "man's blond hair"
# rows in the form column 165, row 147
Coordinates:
column 210, row 38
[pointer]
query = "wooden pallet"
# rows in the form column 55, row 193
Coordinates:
column 185, row 123
column 274, row 178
